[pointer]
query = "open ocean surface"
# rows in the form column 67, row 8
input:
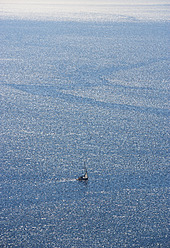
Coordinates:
column 75, row 91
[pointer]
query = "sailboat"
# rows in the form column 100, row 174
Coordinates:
column 85, row 176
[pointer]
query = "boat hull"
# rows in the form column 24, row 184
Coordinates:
column 82, row 179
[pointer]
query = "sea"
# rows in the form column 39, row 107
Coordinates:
column 87, row 84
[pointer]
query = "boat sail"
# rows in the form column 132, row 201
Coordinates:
column 85, row 176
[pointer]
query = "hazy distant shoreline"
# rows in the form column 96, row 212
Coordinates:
column 71, row 11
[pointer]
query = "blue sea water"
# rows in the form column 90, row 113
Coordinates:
column 84, row 91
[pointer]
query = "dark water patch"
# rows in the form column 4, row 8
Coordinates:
column 51, row 91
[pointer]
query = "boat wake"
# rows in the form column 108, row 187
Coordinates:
column 64, row 180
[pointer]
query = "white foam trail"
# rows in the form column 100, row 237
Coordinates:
column 64, row 180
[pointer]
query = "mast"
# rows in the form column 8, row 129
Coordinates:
column 85, row 176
